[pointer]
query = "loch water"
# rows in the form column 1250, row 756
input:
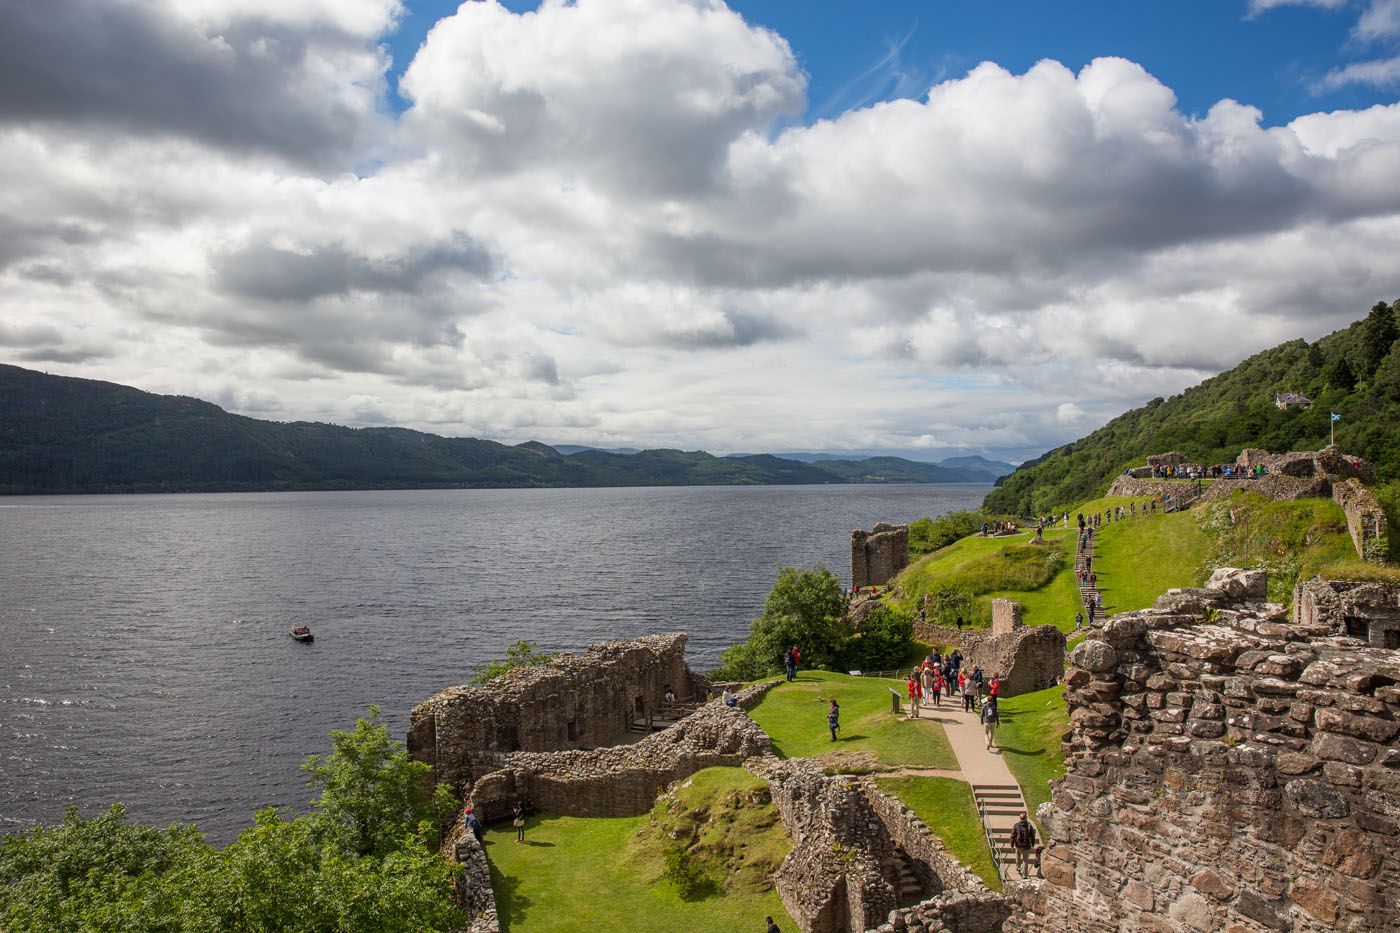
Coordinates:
column 144, row 654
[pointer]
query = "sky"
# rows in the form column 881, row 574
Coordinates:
column 924, row 227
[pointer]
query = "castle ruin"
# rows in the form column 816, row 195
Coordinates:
column 878, row 555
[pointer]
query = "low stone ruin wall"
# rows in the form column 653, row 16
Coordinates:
column 1227, row 769
column 1366, row 521
column 623, row 780
column 575, row 701
column 841, row 872
column 473, row 892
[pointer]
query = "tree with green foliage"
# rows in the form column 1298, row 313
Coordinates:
column 364, row 860
column 373, row 793
column 521, row 654
column 1378, row 333
column 927, row 535
column 1339, row 375
column 881, row 643
column 804, row 608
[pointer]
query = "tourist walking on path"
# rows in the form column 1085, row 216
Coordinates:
column 518, row 821
column 833, row 718
column 915, row 689
column 1078, row 621
column 968, row 694
column 990, row 720
column 1023, row 840
column 937, row 688
column 994, row 688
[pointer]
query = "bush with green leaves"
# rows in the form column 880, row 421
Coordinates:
column 521, row 654
column 365, row 859
column 927, row 535
column 807, row 608
column 881, row 643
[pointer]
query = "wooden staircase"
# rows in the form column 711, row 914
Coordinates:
column 663, row 717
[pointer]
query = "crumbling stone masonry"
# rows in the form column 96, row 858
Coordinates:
column 878, row 555
column 575, row 701
column 1365, row 520
column 1369, row 612
column 1227, row 769
column 1027, row 657
column 849, row 839
column 623, row 780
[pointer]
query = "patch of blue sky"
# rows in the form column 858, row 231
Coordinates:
column 856, row 54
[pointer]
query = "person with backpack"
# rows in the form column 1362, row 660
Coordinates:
column 990, row 720
column 1022, row 841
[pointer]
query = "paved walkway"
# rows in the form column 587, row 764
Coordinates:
column 993, row 786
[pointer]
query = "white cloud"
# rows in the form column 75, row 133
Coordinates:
column 1380, row 73
column 593, row 225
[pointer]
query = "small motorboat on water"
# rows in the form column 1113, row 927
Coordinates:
column 302, row 633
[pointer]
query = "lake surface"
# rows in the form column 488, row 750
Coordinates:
column 144, row 654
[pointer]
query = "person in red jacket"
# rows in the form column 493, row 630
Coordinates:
column 994, row 688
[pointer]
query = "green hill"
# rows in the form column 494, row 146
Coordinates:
column 1354, row 372
column 65, row 435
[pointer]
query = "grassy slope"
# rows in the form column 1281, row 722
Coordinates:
column 605, row 874
column 1140, row 558
column 1029, row 739
column 794, row 716
column 1040, row 578
column 1211, row 422
column 947, row 807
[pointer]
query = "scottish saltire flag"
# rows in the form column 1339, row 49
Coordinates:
column 1336, row 417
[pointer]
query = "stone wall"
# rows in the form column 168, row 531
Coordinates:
column 473, row 892
column 848, row 840
column 1027, row 657
column 1366, row 520
column 1227, row 769
column 623, row 780
column 878, row 555
column 1368, row 612
column 574, row 702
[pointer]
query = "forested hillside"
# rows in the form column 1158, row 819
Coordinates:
column 59, row 434
column 1354, row 372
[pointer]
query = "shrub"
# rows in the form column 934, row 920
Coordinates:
column 927, row 535
column 804, row 608
column 521, row 654
column 882, row 643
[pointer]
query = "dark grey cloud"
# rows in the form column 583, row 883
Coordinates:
column 269, row 273
column 43, row 343
column 124, row 65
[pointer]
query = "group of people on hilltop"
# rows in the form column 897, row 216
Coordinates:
column 996, row 528
column 1196, row 471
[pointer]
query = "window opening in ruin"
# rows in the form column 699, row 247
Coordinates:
column 1392, row 638
column 641, row 705
column 1358, row 628
column 573, row 729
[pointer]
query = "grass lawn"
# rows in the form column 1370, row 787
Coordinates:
column 606, row 873
column 794, row 715
column 947, row 807
column 1040, row 576
column 1029, row 739
column 1139, row 559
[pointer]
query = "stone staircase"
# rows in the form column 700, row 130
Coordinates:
column 999, row 806
column 908, row 888
column 1088, row 595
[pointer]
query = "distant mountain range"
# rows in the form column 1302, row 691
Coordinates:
column 64, row 435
